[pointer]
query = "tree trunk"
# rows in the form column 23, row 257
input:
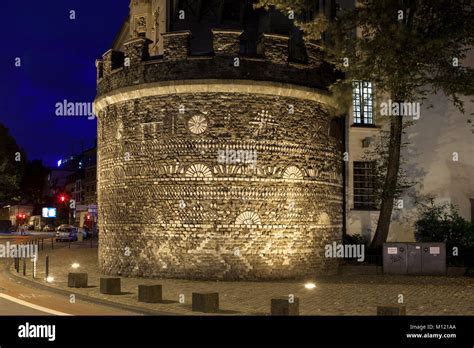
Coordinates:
column 390, row 183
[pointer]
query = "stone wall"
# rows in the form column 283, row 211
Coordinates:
column 212, row 170
column 177, row 64
column 176, row 45
column 226, row 42
column 171, row 205
column 279, row 48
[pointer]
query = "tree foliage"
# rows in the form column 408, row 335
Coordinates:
column 407, row 48
column 11, row 170
column 442, row 223
column 33, row 182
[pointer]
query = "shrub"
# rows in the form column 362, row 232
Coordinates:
column 355, row 239
column 442, row 223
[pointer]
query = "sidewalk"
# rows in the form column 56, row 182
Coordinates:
column 335, row 295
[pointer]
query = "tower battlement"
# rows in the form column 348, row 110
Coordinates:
column 272, row 63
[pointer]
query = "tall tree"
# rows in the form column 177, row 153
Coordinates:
column 408, row 49
column 33, row 183
column 12, row 161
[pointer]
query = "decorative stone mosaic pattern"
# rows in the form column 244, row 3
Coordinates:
column 203, row 170
column 169, row 208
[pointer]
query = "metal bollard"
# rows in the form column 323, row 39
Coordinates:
column 24, row 266
column 17, row 265
column 46, row 267
column 33, row 271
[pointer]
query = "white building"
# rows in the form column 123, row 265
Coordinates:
column 439, row 157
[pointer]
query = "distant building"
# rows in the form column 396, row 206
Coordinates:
column 89, row 163
column 56, row 181
column 19, row 214
column 88, row 186
column 71, row 163
column 75, row 177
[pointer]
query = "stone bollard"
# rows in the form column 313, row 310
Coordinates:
column 206, row 302
column 110, row 286
column 77, row 280
column 391, row 310
column 150, row 293
column 285, row 306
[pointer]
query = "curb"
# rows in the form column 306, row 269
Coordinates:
column 94, row 300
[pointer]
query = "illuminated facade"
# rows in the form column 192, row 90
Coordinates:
column 225, row 165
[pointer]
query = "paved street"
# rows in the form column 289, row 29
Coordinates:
column 17, row 298
column 8, row 307
column 336, row 295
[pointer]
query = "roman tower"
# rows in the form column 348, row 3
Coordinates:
column 217, row 152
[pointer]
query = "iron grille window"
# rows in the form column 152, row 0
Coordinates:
column 362, row 102
column 364, row 186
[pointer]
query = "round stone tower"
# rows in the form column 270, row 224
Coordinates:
column 217, row 166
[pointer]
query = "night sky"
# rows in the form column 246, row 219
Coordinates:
column 58, row 62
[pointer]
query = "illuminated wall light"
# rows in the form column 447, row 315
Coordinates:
column 310, row 286
column 75, row 265
column 50, row 279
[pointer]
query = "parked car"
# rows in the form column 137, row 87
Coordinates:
column 23, row 229
column 49, row 228
column 66, row 233
column 63, row 226
column 85, row 232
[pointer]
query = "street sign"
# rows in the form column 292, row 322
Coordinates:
column 49, row 212
column 92, row 209
column 81, row 207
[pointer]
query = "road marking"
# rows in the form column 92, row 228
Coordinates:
column 33, row 306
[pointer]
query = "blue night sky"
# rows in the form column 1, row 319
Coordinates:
column 58, row 62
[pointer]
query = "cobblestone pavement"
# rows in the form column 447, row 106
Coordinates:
column 335, row 295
